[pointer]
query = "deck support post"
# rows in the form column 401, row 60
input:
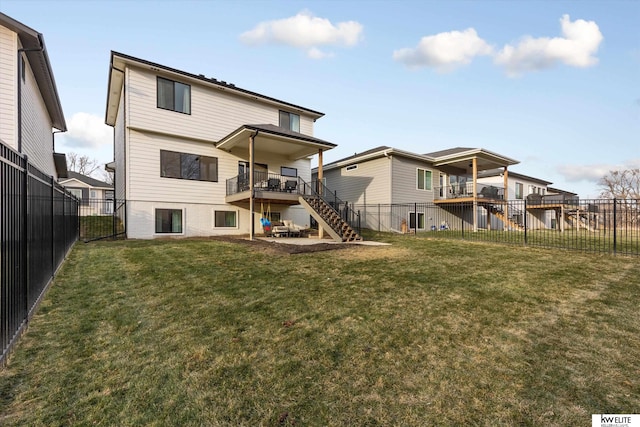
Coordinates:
column 251, row 179
column 505, row 197
column 319, row 188
column 475, row 194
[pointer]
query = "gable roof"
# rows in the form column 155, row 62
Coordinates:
column 120, row 60
column 91, row 182
column 374, row 153
column 41, row 67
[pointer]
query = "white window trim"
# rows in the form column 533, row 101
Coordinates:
column 213, row 218
column 425, row 179
column 184, row 220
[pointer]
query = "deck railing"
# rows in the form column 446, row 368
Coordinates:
column 264, row 181
column 464, row 190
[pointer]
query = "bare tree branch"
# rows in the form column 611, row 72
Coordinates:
column 621, row 184
column 82, row 164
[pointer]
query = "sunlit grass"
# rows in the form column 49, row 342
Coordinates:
column 423, row 332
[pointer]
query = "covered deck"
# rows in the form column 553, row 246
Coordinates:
column 249, row 141
column 464, row 164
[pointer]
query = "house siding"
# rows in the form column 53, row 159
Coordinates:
column 214, row 112
column 368, row 183
column 8, row 90
column 404, row 183
column 37, row 126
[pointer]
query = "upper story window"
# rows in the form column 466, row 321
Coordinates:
column 519, row 190
column 188, row 166
column 289, row 121
column 424, row 179
column 174, row 96
column 352, row 167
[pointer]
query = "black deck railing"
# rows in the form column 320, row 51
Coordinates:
column 264, row 181
column 38, row 226
column 343, row 208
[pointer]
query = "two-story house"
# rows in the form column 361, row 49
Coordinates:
column 30, row 107
column 196, row 156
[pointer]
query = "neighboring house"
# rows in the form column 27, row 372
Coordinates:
column 29, row 104
column 386, row 175
column 195, row 156
column 96, row 197
column 456, row 186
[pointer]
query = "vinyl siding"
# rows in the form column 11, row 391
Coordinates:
column 214, row 112
column 37, row 127
column 368, row 183
column 405, row 186
column 8, row 89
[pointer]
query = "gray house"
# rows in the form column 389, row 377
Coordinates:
column 388, row 176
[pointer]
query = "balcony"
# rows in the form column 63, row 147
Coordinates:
column 268, row 187
column 463, row 192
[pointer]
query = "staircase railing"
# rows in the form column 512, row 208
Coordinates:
column 343, row 209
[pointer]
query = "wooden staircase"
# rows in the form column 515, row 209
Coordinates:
column 499, row 213
column 329, row 219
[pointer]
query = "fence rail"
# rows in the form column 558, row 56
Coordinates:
column 38, row 226
column 599, row 225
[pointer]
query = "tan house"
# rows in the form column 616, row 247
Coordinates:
column 196, row 156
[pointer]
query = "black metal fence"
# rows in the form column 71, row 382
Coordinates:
column 101, row 219
column 601, row 225
column 38, row 227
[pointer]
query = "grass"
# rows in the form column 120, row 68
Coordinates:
column 424, row 332
column 99, row 226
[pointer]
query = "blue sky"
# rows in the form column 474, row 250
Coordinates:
column 552, row 84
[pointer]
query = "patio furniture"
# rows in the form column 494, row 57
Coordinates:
column 290, row 185
column 273, row 184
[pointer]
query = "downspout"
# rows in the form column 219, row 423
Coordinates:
column 53, row 139
column 251, row 182
column 39, row 49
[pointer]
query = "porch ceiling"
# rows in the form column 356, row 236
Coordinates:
column 463, row 161
column 272, row 139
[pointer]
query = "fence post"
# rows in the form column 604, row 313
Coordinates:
column 378, row 217
column 25, row 235
column 359, row 226
column 415, row 219
column 525, row 221
column 462, row 221
column 53, row 225
column 615, row 228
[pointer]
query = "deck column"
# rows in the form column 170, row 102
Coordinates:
column 251, row 179
column 475, row 194
column 506, row 196
column 319, row 189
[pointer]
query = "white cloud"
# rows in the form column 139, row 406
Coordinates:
column 577, row 48
column 87, row 131
column 444, row 51
column 593, row 173
column 305, row 31
column 315, row 53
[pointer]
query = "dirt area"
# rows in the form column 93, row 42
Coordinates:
column 282, row 248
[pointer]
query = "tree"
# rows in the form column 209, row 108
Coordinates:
column 621, row 184
column 82, row 164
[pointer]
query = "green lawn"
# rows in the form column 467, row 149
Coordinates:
column 424, row 332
